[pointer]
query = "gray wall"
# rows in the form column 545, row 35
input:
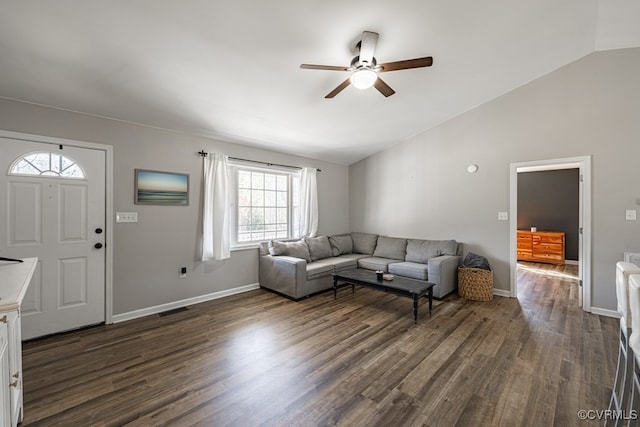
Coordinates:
column 148, row 254
column 550, row 200
column 421, row 187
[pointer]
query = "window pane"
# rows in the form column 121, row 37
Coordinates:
column 72, row 171
column 270, row 235
column 257, row 198
column 41, row 160
column 244, row 237
column 244, row 197
column 270, row 182
column 56, row 163
column 282, row 234
column 282, row 198
column 257, row 218
column 270, row 198
column 282, row 183
column 282, row 215
column 257, row 236
column 244, row 179
column 25, row 168
column 257, row 180
column 244, row 216
column 270, row 215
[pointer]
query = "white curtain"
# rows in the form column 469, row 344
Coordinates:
column 215, row 215
column 308, row 203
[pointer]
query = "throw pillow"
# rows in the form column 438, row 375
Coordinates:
column 294, row 249
column 364, row 243
column 390, row 247
column 341, row 244
column 422, row 250
column 319, row 247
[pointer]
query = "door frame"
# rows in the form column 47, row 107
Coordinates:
column 108, row 267
column 583, row 163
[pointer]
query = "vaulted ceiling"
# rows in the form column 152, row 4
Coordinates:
column 229, row 70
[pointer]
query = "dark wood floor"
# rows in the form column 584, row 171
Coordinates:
column 258, row 359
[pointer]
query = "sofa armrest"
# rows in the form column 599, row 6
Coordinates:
column 284, row 274
column 443, row 272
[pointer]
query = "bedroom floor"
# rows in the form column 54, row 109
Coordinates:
column 258, row 359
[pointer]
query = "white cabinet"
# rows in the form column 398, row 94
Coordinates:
column 14, row 280
column 5, row 392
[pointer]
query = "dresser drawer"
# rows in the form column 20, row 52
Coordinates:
column 555, row 248
column 549, row 238
column 548, row 257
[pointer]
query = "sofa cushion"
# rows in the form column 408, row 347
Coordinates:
column 341, row 262
column 413, row 270
column 297, row 249
column 319, row 247
column 364, row 243
column 390, row 247
column 374, row 263
column 341, row 244
column 422, row 250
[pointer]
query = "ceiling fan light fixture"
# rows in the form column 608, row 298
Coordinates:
column 363, row 78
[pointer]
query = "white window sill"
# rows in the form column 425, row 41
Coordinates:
column 245, row 247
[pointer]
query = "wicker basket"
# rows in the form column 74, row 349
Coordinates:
column 475, row 284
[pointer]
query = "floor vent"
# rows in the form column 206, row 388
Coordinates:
column 174, row 311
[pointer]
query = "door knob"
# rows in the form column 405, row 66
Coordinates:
column 98, row 230
column 98, row 245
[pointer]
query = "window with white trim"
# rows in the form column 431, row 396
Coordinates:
column 46, row 163
column 266, row 204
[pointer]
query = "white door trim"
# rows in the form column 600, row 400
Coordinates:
column 108, row 202
column 584, row 251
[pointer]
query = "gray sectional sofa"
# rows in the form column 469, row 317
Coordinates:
column 301, row 268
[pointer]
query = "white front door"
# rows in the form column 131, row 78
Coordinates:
column 54, row 209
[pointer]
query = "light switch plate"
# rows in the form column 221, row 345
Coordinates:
column 126, row 216
column 630, row 215
column 503, row 216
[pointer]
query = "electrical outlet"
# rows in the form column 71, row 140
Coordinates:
column 126, row 216
column 183, row 272
column 630, row 215
column 503, row 216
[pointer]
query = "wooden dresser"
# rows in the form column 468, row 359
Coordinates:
column 541, row 246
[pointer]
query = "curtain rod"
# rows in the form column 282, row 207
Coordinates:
column 204, row 154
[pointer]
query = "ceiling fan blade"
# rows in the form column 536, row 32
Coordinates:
column 339, row 89
column 323, row 67
column 427, row 61
column 383, row 88
column 368, row 47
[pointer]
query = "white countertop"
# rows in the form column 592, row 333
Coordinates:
column 14, row 280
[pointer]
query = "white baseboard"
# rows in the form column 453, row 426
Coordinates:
column 501, row 293
column 117, row 318
column 605, row 312
column 571, row 262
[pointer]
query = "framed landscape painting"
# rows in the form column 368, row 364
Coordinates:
column 161, row 188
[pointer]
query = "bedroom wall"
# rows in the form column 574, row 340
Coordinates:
column 550, row 200
column 148, row 254
column 421, row 188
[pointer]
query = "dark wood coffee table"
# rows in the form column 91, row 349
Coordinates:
column 399, row 285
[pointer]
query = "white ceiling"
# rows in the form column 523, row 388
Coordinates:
column 230, row 70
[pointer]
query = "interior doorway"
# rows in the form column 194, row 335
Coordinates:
column 583, row 164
